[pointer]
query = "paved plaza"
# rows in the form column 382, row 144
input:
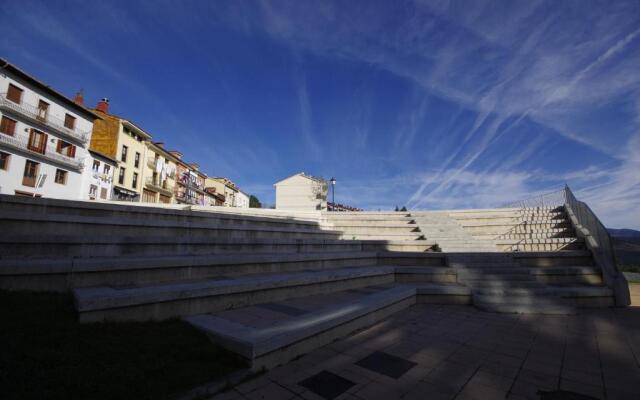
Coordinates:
column 458, row 352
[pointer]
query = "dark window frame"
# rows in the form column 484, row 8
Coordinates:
column 8, row 125
column 14, row 93
column 61, row 173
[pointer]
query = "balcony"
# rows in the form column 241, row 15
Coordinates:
column 162, row 186
column 22, row 145
column 151, row 163
column 189, row 199
column 191, row 184
column 37, row 116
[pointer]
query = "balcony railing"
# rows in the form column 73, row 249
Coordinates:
column 156, row 183
column 23, row 145
column 189, row 199
column 39, row 116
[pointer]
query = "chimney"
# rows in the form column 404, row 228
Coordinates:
column 103, row 105
column 160, row 144
column 194, row 166
column 176, row 154
column 79, row 99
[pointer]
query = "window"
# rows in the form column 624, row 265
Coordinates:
column 61, row 177
column 123, row 157
column 96, row 165
column 136, row 160
column 121, row 176
column 93, row 191
column 134, row 183
column 37, row 141
column 69, row 121
column 43, row 110
column 8, row 126
column 30, row 173
column 106, row 169
column 103, row 193
column 66, row 149
column 14, row 93
column 4, row 161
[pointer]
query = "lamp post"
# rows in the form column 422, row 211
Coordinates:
column 333, row 192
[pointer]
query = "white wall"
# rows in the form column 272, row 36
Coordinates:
column 97, row 178
column 242, row 200
column 11, row 179
column 300, row 193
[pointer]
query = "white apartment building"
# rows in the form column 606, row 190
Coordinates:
column 301, row 192
column 98, row 175
column 242, row 199
column 44, row 138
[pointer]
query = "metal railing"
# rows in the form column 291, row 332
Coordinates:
column 23, row 145
column 36, row 114
column 598, row 240
column 556, row 198
column 162, row 185
column 588, row 227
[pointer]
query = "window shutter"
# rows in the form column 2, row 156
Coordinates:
column 43, row 143
column 72, row 152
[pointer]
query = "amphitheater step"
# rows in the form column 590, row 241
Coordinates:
column 51, row 246
column 547, row 300
column 270, row 334
column 382, row 236
column 51, row 274
column 128, row 225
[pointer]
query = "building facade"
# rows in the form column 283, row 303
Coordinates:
column 98, row 177
column 159, row 175
column 301, row 192
column 44, row 138
column 190, row 187
column 227, row 188
column 122, row 140
column 242, row 199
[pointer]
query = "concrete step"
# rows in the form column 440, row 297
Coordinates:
column 378, row 229
column 168, row 300
column 526, row 235
column 548, row 244
column 163, row 301
column 550, row 300
column 408, row 258
column 355, row 223
column 470, row 226
column 287, row 330
column 61, row 224
column 382, row 236
column 145, row 212
column 49, row 246
column 62, row 274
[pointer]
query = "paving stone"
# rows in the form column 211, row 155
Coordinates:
column 272, row 391
column 473, row 391
column 327, row 384
column 425, row 390
column 541, row 380
column 450, row 375
column 593, row 391
column 386, row 364
column 498, row 382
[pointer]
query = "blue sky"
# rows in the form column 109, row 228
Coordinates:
column 428, row 104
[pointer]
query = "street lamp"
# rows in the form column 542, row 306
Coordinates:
column 333, row 192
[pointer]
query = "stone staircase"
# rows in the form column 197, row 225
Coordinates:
column 272, row 285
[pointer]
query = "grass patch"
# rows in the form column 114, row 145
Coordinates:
column 47, row 354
